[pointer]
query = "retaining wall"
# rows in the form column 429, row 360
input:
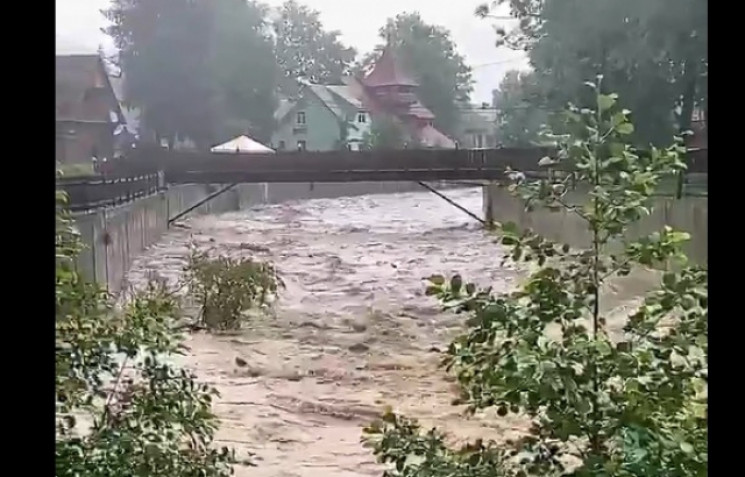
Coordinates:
column 688, row 214
column 115, row 236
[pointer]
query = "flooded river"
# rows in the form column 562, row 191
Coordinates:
column 351, row 333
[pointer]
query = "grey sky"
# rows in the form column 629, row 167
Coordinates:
column 79, row 22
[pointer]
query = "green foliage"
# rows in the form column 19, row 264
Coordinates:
column 654, row 54
column 414, row 453
column 226, row 288
column 385, row 133
column 306, row 51
column 428, row 51
column 121, row 408
column 202, row 70
column 630, row 405
column 244, row 70
column 519, row 121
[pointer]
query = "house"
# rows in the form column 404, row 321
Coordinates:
column 700, row 137
column 478, row 127
column 87, row 110
column 323, row 118
column 328, row 117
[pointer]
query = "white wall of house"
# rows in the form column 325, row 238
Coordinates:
column 362, row 122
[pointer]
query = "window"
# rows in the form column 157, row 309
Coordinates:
column 361, row 117
column 300, row 119
column 301, row 145
column 281, row 146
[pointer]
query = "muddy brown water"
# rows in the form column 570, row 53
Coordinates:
column 351, row 333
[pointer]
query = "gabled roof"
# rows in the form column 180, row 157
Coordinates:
column 346, row 93
column 328, row 99
column 429, row 136
column 419, row 111
column 388, row 72
column 336, row 98
column 75, row 75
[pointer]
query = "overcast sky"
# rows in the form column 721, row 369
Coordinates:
column 79, row 23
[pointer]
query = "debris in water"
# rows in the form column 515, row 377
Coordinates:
column 359, row 348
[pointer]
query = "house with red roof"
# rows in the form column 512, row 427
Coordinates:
column 329, row 117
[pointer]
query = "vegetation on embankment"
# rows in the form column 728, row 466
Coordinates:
column 598, row 406
column 122, row 407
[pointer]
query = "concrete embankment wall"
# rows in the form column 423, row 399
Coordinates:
column 115, row 236
column 687, row 214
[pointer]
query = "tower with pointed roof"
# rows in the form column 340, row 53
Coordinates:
column 387, row 91
column 392, row 85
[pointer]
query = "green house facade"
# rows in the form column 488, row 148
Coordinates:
column 322, row 118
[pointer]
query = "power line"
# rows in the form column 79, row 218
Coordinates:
column 501, row 62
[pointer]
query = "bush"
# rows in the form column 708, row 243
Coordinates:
column 226, row 288
column 634, row 406
column 121, row 408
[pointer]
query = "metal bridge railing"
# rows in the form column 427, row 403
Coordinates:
column 86, row 193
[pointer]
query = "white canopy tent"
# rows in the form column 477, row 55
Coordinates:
column 242, row 144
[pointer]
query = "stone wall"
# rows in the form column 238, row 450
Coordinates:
column 115, row 236
column 689, row 214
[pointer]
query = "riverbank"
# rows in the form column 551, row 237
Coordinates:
column 352, row 332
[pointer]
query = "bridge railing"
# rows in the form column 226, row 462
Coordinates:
column 91, row 192
column 345, row 166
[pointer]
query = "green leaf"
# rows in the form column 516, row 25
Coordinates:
column 510, row 228
column 625, row 129
column 437, row 280
column 678, row 237
column 686, row 447
column 606, row 101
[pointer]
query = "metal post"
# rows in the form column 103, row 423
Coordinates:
column 453, row 203
column 203, row 201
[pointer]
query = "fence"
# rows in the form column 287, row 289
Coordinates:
column 92, row 192
column 134, row 177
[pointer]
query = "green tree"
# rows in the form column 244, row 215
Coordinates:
column 519, row 119
column 386, row 132
column 654, row 54
column 599, row 404
column 122, row 408
column 244, row 69
column 445, row 82
column 202, row 70
column 164, row 51
column 306, row 51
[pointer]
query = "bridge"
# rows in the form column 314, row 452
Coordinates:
column 416, row 165
column 148, row 170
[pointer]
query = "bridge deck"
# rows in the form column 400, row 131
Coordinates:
column 343, row 166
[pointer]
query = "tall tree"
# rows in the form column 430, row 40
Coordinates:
column 519, row 120
column 202, row 70
column 652, row 53
column 445, row 81
column 164, row 51
column 244, row 69
column 305, row 50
